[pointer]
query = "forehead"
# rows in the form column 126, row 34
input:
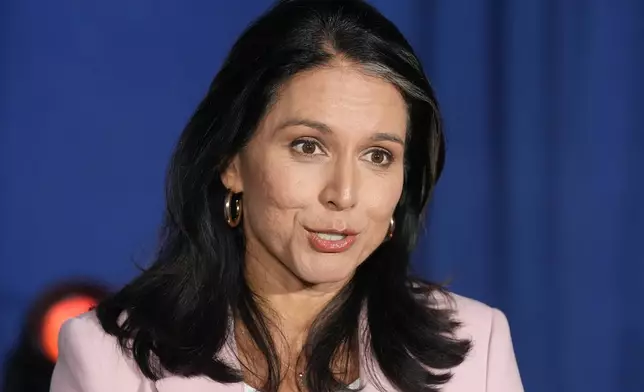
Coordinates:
column 341, row 96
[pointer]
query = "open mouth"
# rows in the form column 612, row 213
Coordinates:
column 326, row 242
column 331, row 236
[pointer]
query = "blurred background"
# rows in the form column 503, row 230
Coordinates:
column 539, row 211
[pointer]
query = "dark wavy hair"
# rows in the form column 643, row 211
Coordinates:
column 179, row 310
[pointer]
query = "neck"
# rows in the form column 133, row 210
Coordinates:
column 292, row 305
column 294, row 302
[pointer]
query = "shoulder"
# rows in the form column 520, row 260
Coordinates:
column 491, row 361
column 91, row 360
column 476, row 318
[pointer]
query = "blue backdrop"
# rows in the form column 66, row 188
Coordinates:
column 539, row 211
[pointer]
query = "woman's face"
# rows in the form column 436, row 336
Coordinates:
column 321, row 176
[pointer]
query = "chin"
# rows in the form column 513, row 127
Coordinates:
column 325, row 269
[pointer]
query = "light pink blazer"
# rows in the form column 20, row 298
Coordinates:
column 90, row 361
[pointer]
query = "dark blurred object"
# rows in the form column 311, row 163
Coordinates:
column 29, row 365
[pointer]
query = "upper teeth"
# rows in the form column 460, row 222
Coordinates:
column 330, row 237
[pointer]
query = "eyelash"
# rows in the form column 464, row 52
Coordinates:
column 300, row 142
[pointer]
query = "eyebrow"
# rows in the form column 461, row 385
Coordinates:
column 323, row 128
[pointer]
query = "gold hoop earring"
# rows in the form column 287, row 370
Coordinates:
column 232, row 219
column 390, row 231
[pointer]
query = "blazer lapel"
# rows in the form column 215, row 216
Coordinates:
column 195, row 384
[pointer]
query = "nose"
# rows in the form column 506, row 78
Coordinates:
column 341, row 186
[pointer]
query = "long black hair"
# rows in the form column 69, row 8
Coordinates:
column 179, row 310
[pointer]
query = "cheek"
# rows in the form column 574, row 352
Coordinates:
column 382, row 198
column 273, row 194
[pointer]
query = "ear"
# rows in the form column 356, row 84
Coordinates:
column 231, row 176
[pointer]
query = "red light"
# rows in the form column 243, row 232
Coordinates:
column 54, row 318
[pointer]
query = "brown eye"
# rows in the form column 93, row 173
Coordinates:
column 379, row 157
column 307, row 147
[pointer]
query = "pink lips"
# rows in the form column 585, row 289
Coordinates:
column 331, row 246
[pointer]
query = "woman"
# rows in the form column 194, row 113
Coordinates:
column 294, row 199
